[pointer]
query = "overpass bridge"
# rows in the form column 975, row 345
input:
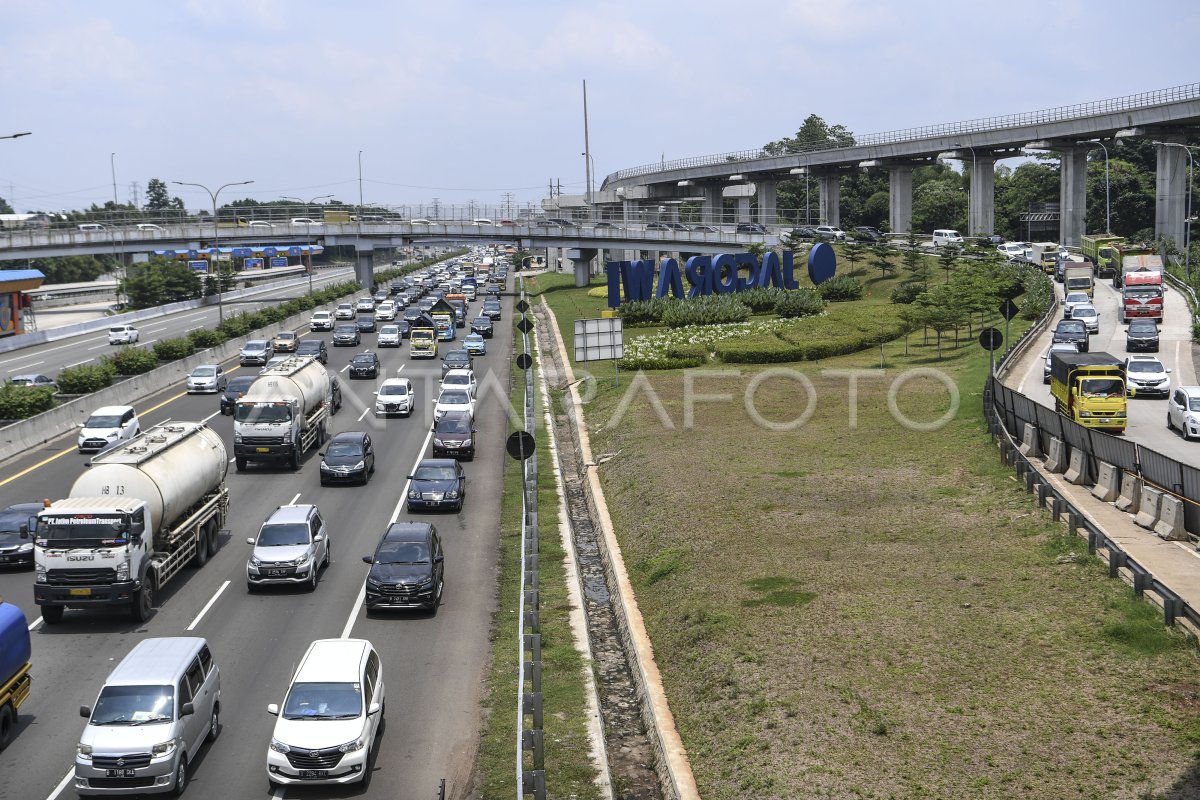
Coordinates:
column 1165, row 115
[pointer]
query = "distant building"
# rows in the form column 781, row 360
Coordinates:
column 35, row 220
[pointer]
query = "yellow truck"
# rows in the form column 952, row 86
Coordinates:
column 1090, row 388
column 422, row 342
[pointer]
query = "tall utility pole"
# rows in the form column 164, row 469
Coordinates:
column 508, row 196
column 216, row 236
column 587, row 153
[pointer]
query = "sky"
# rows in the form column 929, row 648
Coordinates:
column 483, row 102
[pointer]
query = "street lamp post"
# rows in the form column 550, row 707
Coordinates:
column 310, row 236
column 1107, row 185
column 216, row 236
column 1187, row 235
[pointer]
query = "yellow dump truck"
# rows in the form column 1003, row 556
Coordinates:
column 1089, row 388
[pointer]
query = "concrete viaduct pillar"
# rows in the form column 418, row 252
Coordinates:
column 1072, row 195
column 629, row 210
column 713, row 208
column 1170, row 192
column 983, row 196
column 900, row 197
column 765, row 191
column 831, row 198
column 581, row 259
column 364, row 264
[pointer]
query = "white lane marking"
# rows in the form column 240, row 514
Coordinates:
column 35, row 624
column 97, row 347
column 25, row 366
column 362, row 591
column 52, row 349
column 360, row 416
column 77, row 363
column 343, row 369
column 278, row 793
column 294, row 499
column 207, row 606
column 197, row 328
column 193, row 316
column 233, row 459
column 156, row 327
column 401, row 369
column 63, row 783
column 210, row 416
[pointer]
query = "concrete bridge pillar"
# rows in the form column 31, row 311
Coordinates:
column 364, row 265
column 743, row 209
column 900, row 197
column 1072, row 202
column 629, row 210
column 1170, row 192
column 713, row 209
column 983, row 197
column 831, row 198
column 765, row 191
column 581, row 259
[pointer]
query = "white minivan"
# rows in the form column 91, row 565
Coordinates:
column 944, row 236
column 330, row 716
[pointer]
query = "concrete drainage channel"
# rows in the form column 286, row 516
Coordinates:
column 631, row 753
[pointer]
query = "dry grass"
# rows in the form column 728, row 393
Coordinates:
column 880, row 612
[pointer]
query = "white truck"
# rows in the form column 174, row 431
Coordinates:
column 283, row 413
column 139, row 514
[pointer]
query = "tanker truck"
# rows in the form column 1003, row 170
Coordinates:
column 15, row 680
column 138, row 514
column 283, row 413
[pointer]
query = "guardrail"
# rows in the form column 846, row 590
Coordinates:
column 1190, row 91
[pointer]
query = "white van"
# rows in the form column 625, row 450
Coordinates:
column 90, row 226
column 160, row 704
column 482, row 221
column 943, row 236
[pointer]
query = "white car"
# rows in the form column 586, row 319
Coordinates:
column 330, row 716
column 148, row 226
column 365, row 305
column 258, row 223
column 344, row 311
column 1057, row 347
column 1183, row 411
column 122, row 334
column 1074, row 299
column 395, row 396
column 108, row 426
column 830, row 232
column 321, row 321
column 455, row 399
column 1087, row 313
column 385, row 311
column 388, row 336
column 304, row 221
column 207, row 378
column 1147, row 376
column 460, row 379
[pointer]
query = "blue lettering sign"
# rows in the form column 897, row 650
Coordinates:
column 670, row 279
column 822, row 263
column 699, row 274
column 707, row 275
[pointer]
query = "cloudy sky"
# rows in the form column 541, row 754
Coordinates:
column 468, row 100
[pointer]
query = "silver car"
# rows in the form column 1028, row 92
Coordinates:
column 291, row 548
column 207, row 378
column 1074, row 299
column 1088, row 315
column 1057, row 347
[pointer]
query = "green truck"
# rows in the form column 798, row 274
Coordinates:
column 1100, row 250
column 1090, row 388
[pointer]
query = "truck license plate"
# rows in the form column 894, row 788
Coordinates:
column 79, row 592
column 120, row 773
column 262, row 449
column 314, row 773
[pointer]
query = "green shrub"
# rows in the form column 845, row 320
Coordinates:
column 667, row 362
column 841, row 288
column 85, row 379
column 642, row 313
column 202, row 339
column 799, row 303
column 759, row 350
column 715, row 309
column 133, row 361
column 173, row 349
column 907, row 292
column 22, row 402
column 761, row 299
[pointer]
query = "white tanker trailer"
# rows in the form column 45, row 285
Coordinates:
column 133, row 520
column 283, row 413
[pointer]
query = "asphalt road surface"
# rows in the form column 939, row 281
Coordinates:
column 434, row 665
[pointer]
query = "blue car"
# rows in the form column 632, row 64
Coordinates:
column 437, row 483
column 475, row 345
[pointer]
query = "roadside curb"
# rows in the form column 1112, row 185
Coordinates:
column 673, row 767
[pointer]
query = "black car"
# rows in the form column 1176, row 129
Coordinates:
column 1142, row 334
column 412, row 313
column 803, row 232
column 560, row 222
column 492, row 290
column 437, row 483
column 14, row 550
column 405, row 327
column 407, row 568
column 483, row 326
column 315, row 348
column 365, row 323
column 235, row 388
column 454, row 436
column 677, row 226
column 335, row 390
column 750, row 227
column 456, row 359
column 346, row 333
column 350, row 458
column 704, row 229
column 364, row 365
column 1072, row 330
column 865, row 233
column 607, row 226
column 491, row 309
column 657, row 226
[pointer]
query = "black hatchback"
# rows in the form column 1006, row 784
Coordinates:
column 350, row 458
column 1142, row 334
column 365, row 323
column 1072, row 330
column 407, row 569
column 364, row 365
column 234, row 389
column 16, row 551
column 457, row 359
column 483, row 326
column 454, row 436
column 315, row 348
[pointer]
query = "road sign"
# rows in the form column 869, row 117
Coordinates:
column 520, row 445
column 522, row 306
column 599, row 339
column 990, row 339
column 1009, row 309
column 525, row 326
column 524, row 361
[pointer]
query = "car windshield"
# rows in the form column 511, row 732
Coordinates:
column 396, row 388
column 133, row 705
column 285, row 335
column 345, row 329
column 304, row 347
column 454, row 425
column 250, row 346
column 323, row 701
column 1143, row 292
column 1144, row 366
column 1142, row 326
column 116, row 330
column 1077, row 297
column 283, row 534
column 346, row 449
column 1194, row 404
column 103, row 421
column 457, row 380
column 454, row 397
column 204, row 372
column 389, row 330
column 239, row 384
column 345, row 306
column 263, row 412
column 402, row 553
column 1069, row 326
column 320, row 314
column 361, row 359
column 1102, row 387
column 1084, row 311
column 430, row 473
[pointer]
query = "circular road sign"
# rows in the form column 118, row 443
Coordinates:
column 520, row 445
column 990, row 339
column 524, row 361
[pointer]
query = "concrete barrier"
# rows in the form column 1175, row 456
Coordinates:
column 1170, row 519
column 1056, row 455
column 1148, row 511
column 1077, row 469
column 1029, row 441
column 1108, row 485
column 1130, row 498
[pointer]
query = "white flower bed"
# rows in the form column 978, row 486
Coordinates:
column 656, row 345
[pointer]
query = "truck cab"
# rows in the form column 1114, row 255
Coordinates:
column 1091, row 389
column 422, row 343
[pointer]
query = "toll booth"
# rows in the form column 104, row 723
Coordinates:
column 14, row 284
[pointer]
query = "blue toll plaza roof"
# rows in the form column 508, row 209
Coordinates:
column 16, row 280
column 243, row 252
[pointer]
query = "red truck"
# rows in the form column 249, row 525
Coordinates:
column 1142, row 295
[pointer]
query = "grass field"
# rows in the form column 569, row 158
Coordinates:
column 856, row 608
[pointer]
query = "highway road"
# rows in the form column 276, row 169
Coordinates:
column 1147, row 416
column 50, row 357
column 433, row 665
